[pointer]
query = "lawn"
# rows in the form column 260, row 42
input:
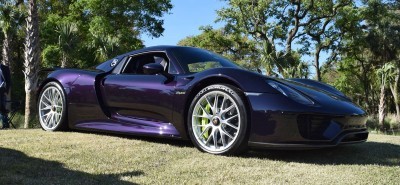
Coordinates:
column 38, row 157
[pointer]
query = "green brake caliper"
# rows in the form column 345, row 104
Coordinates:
column 204, row 121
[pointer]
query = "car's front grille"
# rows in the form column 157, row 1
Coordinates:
column 317, row 127
column 313, row 127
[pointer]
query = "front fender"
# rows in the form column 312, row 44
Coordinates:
column 247, row 81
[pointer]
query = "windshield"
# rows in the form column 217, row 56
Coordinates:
column 195, row 60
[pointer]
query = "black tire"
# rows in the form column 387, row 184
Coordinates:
column 219, row 121
column 52, row 102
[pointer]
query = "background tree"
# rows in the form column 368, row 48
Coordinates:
column 386, row 74
column 276, row 25
column 32, row 62
column 236, row 47
column 320, row 30
column 67, row 41
column 106, row 28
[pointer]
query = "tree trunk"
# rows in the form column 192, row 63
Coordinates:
column 316, row 63
column 31, row 64
column 366, row 83
column 382, row 107
column 63, row 60
column 394, row 88
column 6, row 50
column 7, row 59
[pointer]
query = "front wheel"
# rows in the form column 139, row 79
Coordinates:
column 218, row 120
column 52, row 107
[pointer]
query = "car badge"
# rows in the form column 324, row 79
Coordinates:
column 114, row 62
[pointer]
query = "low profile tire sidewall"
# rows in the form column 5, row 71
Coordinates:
column 62, row 125
column 240, row 142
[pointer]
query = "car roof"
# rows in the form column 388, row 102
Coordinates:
column 156, row 48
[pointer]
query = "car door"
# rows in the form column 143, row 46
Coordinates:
column 133, row 96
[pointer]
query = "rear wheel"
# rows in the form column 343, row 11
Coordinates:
column 52, row 107
column 218, row 120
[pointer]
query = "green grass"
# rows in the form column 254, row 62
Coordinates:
column 37, row 157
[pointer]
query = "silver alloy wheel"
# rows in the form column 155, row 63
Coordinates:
column 50, row 108
column 216, row 121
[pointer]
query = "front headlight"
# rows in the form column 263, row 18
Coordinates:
column 290, row 93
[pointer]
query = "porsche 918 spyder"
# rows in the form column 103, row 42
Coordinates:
column 190, row 93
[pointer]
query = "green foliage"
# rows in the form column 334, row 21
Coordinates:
column 79, row 33
column 386, row 73
column 369, row 52
column 93, row 31
column 236, row 47
column 51, row 56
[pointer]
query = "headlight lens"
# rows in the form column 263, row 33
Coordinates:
column 291, row 93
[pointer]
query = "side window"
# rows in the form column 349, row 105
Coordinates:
column 134, row 64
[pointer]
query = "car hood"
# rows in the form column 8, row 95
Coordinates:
column 324, row 96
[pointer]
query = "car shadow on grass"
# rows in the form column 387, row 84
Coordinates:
column 369, row 153
column 160, row 140
column 18, row 168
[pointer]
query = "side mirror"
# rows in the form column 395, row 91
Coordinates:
column 153, row 68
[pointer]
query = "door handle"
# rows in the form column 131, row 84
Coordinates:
column 102, row 81
column 189, row 78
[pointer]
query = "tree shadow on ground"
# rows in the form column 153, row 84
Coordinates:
column 369, row 153
column 18, row 168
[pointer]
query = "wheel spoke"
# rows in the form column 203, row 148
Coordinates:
column 52, row 119
column 205, row 130
column 223, row 102
column 209, row 138
column 227, row 134
column 228, row 109
column 209, row 103
column 201, row 116
column 216, row 102
column 215, row 138
column 45, row 104
column 47, row 120
column 53, row 94
column 208, row 114
column 47, row 98
column 222, row 138
column 58, row 116
column 226, row 123
column 235, row 116
column 46, row 108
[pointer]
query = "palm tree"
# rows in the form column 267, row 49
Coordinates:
column 386, row 74
column 67, row 40
column 31, row 64
column 105, row 46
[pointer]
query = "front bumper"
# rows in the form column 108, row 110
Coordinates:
column 278, row 122
column 352, row 137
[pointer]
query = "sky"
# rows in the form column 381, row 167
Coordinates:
column 185, row 19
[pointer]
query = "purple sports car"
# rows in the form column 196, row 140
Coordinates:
column 190, row 93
